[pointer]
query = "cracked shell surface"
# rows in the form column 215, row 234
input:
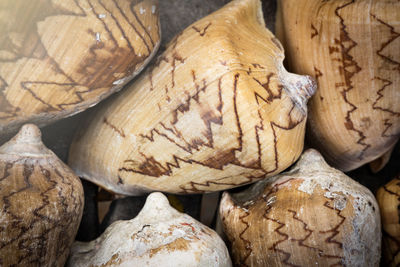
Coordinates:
column 216, row 111
column 41, row 203
column 311, row 215
column 352, row 48
column 158, row 236
column 58, row 58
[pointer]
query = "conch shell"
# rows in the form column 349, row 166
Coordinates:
column 388, row 197
column 41, row 203
column 217, row 110
column 311, row 215
column 58, row 58
column 158, row 236
column 352, row 48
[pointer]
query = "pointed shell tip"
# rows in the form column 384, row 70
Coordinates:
column 29, row 133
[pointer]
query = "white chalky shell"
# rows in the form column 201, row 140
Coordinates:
column 158, row 236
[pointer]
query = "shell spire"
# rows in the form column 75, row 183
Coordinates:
column 27, row 141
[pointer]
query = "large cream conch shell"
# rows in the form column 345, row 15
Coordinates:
column 352, row 48
column 41, row 203
column 218, row 110
column 313, row 215
column 58, row 58
column 388, row 197
column 158, row 236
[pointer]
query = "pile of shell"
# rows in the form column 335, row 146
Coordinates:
column 215, row 111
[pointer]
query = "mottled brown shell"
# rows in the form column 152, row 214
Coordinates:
column 352, row 48
column 388, row 197
column 58, row 58
column 217, row 110
column 41, row 203
column 313, row 215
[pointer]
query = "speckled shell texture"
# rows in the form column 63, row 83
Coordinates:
column 352, row 48
column 217, row 110
column 158, row 236
column 313, row 215
column 60, row 57
column 41, row 203
column 388, row 197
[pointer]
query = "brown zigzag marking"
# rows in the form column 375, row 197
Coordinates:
column 175, row 57
column 380, row 96
column 133, row 26
column 193, row 185
column 207, row 118
column 271, row 97
column 16, row 221
column 247, row 243
column 92, row 9
column 317, row 72
column 5, row 105
column 309, row 232
column 388, row 125
column 141, row 24
column 394, row 36
column 265, row 197
column 314, row 31
column 349, row 62
column 120, row 132
column 118, row 24
column 394, row 239
column 202, row 32
column 334, row 230
column 6, row 173
column 154, row 168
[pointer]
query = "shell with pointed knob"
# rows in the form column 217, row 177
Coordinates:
column 158, row 236
column 41, row 203
column 311, row 215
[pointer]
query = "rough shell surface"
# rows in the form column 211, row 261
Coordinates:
column 217, row 110
column 58, row 58
column 41, row 203
column 313, row 215
column 352, row 48
column 388, row 198
column 158, row 236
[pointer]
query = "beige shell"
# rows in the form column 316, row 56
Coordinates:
column 217, row 110
column 388, row 197
column 41, row 203
column 313, row 215
column 352, row 48
column 158, row 236
column 59, row 57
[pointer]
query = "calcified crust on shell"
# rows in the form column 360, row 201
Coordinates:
column 158, row 236
column 388, row 197
column 41, row 203
column 311, row 215
column 58, row 58
column 352, row 48
column 216, row 111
